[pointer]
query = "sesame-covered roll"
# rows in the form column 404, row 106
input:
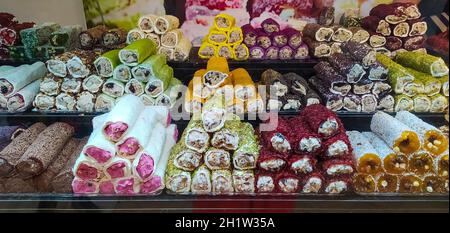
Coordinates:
column 92, row 84
column 397, row 135
column 201, row 181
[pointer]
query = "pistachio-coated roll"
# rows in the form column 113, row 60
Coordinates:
column 423, row 62
column 404, row 103
column 201, row 181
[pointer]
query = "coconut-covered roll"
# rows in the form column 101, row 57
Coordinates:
column 146, row 23
column 171, row 38
column 369, row 103
column 65, row 102
column 201, row 181
column 118, row 124
column 347, row 67
column 410, row 183
column 318, row 49
column 404, row 103
column 360, row 52
column 265, row 183
column 431, row 137
column 217, row 159
column 177, row 180
column 14, row 82
column 342, row 34
column 113, row 88
column 156, row 182
column 422, row 103
column 377, row 41
column 12, row 153
column 332, row 101
column 246, row 156
column 166, row 23
column 318, row 32
column 23, row 99
column 367, row 157
column 106, row 63
column 146, row 161
column 364, row 183
column 144, row 71
column 43, row 102
column 91, row 37
column 387, row 183
column 38, row 157
column 214, row 114
column 424, row 63
column 338, row 185
column 71, row 86
column 360, row 35
column 81, row 65
column 85, row 102
column 438, row 103
column 137, row 52
column 182, row 50
column 134, row 87
column 375, row 24
column 421, row 163
column 104, row 103
column 352, row 103
column 135, row 35
column 222, row 182
column 92, row 84
column 397, row 135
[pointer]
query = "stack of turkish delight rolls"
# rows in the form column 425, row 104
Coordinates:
column 420, row 81
column 288, row 92
column 309, row 153
column 225, row 39
column 401, row 154
column 40, row 159
column 20, row 85
column 353, row 80
column 241, row 94
column 273, row 42
column 216, row 154
column 165, row 32
column 101, row 38
column 396, row 27
column 127, row 152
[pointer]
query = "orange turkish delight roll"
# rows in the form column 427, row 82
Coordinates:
column 367, row 159
column 421, row 163
column 397, row 135
column 244, row 87
column 410, row 183
column 433, row 140
column 442, row 165
column 217, row 72
column 433, row 184
column 364, row 183
column 192, row 102
column 387, row 183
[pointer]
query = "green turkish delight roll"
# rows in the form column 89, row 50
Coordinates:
column 160, row 82
column 444, row 82
column 413, row 88
column 246, row 156
column 398, row 75
column 106, row 63
column 137, row 52
column 66, row 36
column 40, row 35
column 404, row 103
column 432, row 85
column 149, row 68
column 423, row 62
column 17, row 52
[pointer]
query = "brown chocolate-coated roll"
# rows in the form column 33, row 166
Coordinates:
column 375, row 24
column 311, row 98
column 414, row 43
column 92, row 36
column 42, row 182
column 318, row 32
column 326, row 17
column 62, row 183
column 114, row 37
column 11, row 154
column 362, row 53
column 44, row 149
column 17, row 185
column 393, row 43
column 318, row 49
column 332, row 101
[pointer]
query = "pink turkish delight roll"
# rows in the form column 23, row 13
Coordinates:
column 117, row 168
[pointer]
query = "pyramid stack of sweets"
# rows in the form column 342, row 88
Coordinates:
column 101, row 38
column 165, row 32
column 395, row 28
column 20, row 85
column 420, row 81
column 127, row 152
column 401, row 154
column 309, row 153
column 71, row 85
column 44, row 41
column 216, row 154
column 353, row 80
column 288, row 92
column 241, row 93
column 39, row 159
column 224, row 39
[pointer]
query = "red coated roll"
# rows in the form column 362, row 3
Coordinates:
column 337, row 147
column 322, row 121
column 375, row 24
column 338, row 185
column 265, row 183
column 313, row 183
column 279, row 139
column 288, row 183
column 338, row 167
column 271, row 162
column 304, row 141
column 302, row 165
